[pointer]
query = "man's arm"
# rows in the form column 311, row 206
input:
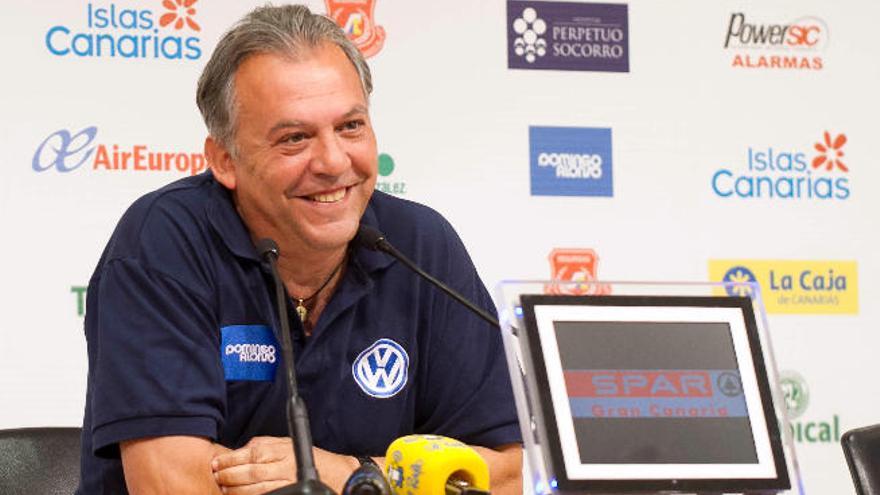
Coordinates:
column 266, row 463
column 170, row 465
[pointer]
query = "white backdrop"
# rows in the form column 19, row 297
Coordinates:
column 455, row 121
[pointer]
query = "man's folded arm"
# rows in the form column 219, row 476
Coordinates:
column 170, row 465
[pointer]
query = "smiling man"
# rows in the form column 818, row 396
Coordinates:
column 185, row 390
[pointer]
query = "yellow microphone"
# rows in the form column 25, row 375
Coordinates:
column 435, row 465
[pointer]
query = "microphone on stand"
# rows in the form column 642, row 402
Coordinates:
column 367, row 480
column 307, row 480
column 374, row 240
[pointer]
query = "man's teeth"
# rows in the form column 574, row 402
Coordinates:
column 330, row 197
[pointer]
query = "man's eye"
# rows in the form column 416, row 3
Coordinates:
column 352, row 125
column 294, row 138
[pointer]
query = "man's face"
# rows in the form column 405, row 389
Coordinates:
column 306, row 154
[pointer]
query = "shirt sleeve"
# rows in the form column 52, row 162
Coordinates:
column 154, row 350
column 469, row 396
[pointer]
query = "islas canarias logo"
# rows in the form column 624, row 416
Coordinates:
column 356, row 18
column 163, row 29
column 64, row 151
column 793, row 286
column 817, row 173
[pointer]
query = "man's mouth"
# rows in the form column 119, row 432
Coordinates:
column 329, row 197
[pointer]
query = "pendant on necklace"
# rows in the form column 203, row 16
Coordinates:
column 301, row 310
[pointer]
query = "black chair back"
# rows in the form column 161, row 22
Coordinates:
column 39, row 461
column 861, row 447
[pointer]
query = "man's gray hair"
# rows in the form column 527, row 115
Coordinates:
column 286, row 31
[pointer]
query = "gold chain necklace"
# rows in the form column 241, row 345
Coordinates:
column 301, row 309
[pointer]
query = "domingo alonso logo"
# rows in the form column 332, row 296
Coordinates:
column 381, row 369
column 567, row 36
column 570, row 161
column 64, row 152
column 797, row 401
column 790, row 173
column 794, row 287
column 788, row 45
column 118, row 30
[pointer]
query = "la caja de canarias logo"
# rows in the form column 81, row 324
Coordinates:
column 66, row 151
column 794, row 286
column 575, row 265
column 357, row 20
column 818, row 172
column 774, row 45
column 805, row 429
column 158, row 29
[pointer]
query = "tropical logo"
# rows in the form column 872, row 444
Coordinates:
column 64, row 151
column 168, row 30
column 387, row 182
column 793, row 286
column 797, row 44
column 356, row 18
column 805, row 429
column 817, row 173
column 575, row 265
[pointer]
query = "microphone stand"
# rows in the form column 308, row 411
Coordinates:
column 307, row 480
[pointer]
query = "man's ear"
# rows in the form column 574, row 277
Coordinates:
column 220, row 162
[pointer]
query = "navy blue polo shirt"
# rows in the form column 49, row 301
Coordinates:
column 182, row 338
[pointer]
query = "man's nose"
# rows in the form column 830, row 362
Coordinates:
column 330, row 157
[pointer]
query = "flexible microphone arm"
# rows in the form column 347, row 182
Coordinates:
column 307, row 480
column 374, row 240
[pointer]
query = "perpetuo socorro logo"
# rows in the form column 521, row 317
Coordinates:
column 575, row 265
column 567, row 36
column 570, row 161
column 165, row 29
column 776, row 45
column 356, row 18
column 794, row 286
column 797, row 401
column 386, row 182
column 64, row 151
column 816, row 173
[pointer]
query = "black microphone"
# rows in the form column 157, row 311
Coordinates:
column 307, row 480
column 374, row 240
column 367, row 480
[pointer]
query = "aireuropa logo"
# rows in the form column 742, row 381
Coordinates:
column 795, row 286
column 386, row 183
column 356, row 18
column 575, row 265
column 797, row 401
column 118, row 30
column 64, row 151
column 789, row 173
column 381, row 369
column 567, row 36
column 570, row 161
column 776, row 45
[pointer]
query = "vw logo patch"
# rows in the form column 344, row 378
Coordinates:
column 381, row 369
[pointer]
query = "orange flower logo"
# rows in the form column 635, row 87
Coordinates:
column 830, row 153
column 180, row 12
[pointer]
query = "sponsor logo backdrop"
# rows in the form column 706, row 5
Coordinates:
column 700, row 141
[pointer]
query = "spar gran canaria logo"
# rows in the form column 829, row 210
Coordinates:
column 790, row 173
column 160, row 29
column 804, row 428
column 64, row 151
column 794, row 286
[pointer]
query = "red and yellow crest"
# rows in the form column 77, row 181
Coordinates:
column 355, row 17
column 577, row 265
